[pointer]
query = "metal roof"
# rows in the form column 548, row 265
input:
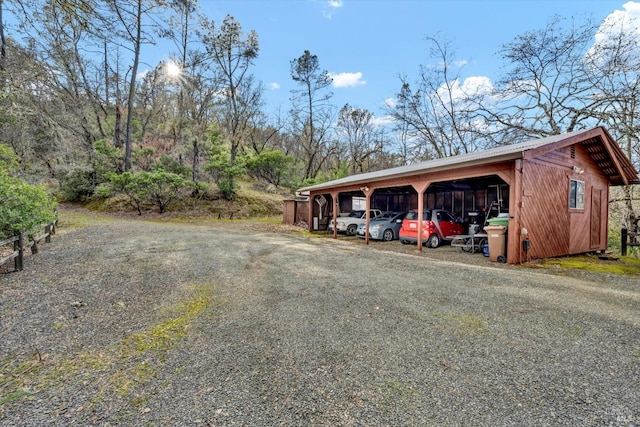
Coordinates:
column 502, row 153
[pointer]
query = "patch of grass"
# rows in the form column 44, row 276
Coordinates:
column 165, row 335
column 78, row 218
column 395, row 393
column 16, row 378
column 464, row 323
column 306, row 233
column 14, row 396
column 624, row 265
column 121, row 369
column 395, row 387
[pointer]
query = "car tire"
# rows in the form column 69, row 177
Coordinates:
column 351, row 230
column 387, row 236
column 433, row 241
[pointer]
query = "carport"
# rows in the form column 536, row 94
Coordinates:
column 555, row 190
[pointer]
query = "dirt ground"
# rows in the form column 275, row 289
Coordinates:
column 120, row 321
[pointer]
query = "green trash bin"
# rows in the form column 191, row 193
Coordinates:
column 499, row 220
column 496, row 234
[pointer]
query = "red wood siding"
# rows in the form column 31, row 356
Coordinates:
column 554, row 229
column 589, row 225
column 596, row 218
column 295, row 211
column 544, row 212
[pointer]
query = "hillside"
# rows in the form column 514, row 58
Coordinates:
column 253, row 200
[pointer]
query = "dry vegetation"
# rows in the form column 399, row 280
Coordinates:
column 253, row 200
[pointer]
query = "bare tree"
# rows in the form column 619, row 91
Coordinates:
column 614, row 65
column 311, row 112
column 434, row 113
column 548, row 88
column 130, row 15
column 360, row 136
column 233, row 53
column 61, row 93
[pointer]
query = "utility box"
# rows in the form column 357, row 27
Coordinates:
column 496, row 235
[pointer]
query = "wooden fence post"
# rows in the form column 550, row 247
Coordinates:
column 623, row 246
column 47, row 232
column 34, row 246
column 19, row 246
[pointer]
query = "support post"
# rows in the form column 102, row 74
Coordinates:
column 420, row 188
column 623, row 238
column 18, row 245
column 336, row 205
column 47, row 232
column 367, row 193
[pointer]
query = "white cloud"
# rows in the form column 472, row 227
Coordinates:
column 477, row 85
column 626, row 21
column 142, row 74
column 331, row 6
column 347, row 79
column 382, row 121
column 274, row 86
column 390, row 102
column 473, row 86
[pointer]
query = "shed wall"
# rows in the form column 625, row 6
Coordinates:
column 295, row 212
column 589, row 225
column 545, row 209
column 554, row 228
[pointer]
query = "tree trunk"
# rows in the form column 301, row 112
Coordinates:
column 132, row 87
column 196, row 160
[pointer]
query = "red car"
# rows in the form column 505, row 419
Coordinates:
column 437, row 225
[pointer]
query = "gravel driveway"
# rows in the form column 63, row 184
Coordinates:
column 145, row 323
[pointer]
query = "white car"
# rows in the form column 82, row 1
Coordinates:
column 349, row 224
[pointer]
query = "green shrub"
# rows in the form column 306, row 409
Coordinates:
column 76, row 184
column 227, row 188
column 160, row 188
column 144, row 188
column 23, row 206
column 172, row 165
column 8, row 158
column 270, row 166
column 224, row 170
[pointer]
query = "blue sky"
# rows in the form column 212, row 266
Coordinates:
column 366, row 44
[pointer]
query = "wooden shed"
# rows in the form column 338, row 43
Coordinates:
column 554, row 189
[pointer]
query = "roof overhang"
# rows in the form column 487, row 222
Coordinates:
column 601, row 147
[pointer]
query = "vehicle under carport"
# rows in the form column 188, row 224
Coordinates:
column 555, row 190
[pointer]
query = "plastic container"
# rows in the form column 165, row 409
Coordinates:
column 500, row 220
column 497, row 242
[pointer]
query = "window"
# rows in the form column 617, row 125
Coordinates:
column 576, row 194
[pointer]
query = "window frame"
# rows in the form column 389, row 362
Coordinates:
column 577, row 191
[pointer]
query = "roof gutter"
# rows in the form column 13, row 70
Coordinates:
column 355, row 181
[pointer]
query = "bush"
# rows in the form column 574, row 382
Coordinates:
column 8, row 158
column 224, row 170
column 270, row 166
column 228, row 188
column 160, row 187
column 157, row 188
column 76, row 184
column 23, row 206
